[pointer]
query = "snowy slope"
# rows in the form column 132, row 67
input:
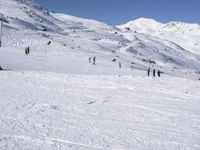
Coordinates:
column 76, row 39
column 50, row 111
column 54, row 99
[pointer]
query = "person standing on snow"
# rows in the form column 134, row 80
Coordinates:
column 90, row 60
column 94, row 60
column 120, row 65
column 154, row 72
column 148, row 71
column 158, row 72
column 26, row 50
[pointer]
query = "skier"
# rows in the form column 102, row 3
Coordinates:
column 90, row 60
column 49, row 43
column 1, row 68
column 154, row 72
column 26, row 50
column 120, row 65
column 159, row 72
column 148, row 71
column 94, row 60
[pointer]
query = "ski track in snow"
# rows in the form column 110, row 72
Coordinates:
column 41, row 110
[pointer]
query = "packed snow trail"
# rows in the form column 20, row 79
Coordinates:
column 50, row 111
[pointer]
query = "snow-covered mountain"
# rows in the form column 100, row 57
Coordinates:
column 73, row 40
column 186, row 35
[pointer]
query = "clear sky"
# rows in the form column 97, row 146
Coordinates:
column 116, row 12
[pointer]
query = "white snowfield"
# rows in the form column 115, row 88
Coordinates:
column 54, row 99
column 51, row 111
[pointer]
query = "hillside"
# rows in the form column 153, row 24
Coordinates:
column 76, row 39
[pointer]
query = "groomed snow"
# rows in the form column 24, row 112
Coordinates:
column 51, row 111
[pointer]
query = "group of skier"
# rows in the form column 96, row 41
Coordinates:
column 92, row 60
column 154, row 72
column 27, row 50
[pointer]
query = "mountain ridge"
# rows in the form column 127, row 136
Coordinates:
column 184, row 34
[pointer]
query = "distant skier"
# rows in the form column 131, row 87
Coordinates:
column 159, row 72
column 49, row 43
column 90, row 60
column 148, row 71
column 1, row 68
column 26, row 51
column 154, row 72
column 120, row 65
column 94, row 60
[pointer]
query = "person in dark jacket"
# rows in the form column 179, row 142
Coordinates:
column 28, row 50
column 49, row 43
column 94, row 60
column 154, row 72
column 1, row 68
column 90, row 60
column 148, row 71
column 120, row 65
column 159, row 72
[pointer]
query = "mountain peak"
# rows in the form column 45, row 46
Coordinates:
column 140, row 22
column 145, row 20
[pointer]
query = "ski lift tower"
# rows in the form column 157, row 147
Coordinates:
column 2, row 19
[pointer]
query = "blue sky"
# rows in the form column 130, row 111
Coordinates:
column 116, row 12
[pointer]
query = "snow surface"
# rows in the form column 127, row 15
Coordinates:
column 55, row 99
column 41, row 110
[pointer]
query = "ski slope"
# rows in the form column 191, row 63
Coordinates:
column 54, row 99
column 74, row 40
column 49, row 111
